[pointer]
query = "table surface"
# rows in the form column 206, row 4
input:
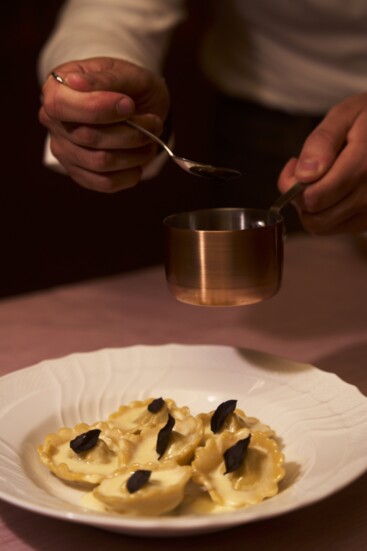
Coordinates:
column 318, row 317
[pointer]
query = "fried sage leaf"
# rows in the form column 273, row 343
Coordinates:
column 156, row 405
column 137, row 480
column 235, row 455
column 85, row 441
column 221, row 414
column 164, row 435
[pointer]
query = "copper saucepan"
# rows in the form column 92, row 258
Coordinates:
column 226, row 256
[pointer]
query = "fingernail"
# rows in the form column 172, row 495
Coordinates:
column 308, row 166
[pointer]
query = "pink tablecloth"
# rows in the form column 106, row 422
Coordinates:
column 319, row 317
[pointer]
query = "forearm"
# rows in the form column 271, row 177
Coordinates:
column 136, row 30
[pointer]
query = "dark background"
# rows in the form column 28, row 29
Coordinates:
column 53, row 231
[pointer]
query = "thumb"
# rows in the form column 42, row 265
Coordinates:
column 286, row 178
column 320, row 150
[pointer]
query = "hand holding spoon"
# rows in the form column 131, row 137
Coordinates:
column 193, row 167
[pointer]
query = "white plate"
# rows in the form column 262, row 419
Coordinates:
column 322, row 423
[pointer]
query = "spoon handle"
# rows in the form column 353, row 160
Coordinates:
column 147, row 133
column 287, row 197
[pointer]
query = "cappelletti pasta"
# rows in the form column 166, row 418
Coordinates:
column 153, row 458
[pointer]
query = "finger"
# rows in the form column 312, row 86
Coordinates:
column 110, row 136
column 99, row 160
column 347, row 173
column 355, row 224
column 110, row 182
column 287, row 178
column 116, row 136
column 105, row 73
column 339, row 216
column 323, row 145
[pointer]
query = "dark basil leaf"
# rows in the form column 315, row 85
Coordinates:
column 85, row 441
column 221, row 414
column 234, row 456
column 137, row 480
column 156, row 405
column 164, row 435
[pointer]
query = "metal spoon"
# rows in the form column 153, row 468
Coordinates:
column 197, row 169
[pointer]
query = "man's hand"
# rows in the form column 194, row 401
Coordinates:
column 85, row 120
column 334, row 161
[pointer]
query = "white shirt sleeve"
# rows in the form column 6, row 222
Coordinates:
column 135, row 30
